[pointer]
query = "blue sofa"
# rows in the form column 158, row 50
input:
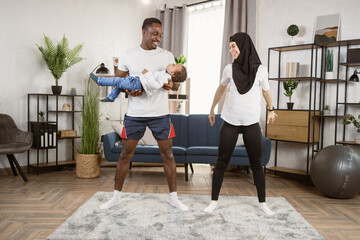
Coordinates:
column 195, row 142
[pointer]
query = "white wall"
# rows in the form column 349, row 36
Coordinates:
column 109, row 27
column 274, row 16
column 106, row 27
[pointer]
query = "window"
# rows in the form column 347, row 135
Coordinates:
column 205, row 33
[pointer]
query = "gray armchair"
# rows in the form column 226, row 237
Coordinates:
column 13, row 140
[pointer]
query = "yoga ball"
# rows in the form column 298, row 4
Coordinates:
column 335, row 171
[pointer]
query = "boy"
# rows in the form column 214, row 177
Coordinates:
column 148, row 82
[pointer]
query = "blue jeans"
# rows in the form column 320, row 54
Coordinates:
column 130, row 83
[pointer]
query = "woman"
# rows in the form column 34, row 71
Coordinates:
column 247, row 79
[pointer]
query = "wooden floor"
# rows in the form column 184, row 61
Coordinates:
column 35, row 209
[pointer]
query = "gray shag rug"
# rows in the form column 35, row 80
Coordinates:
column 149, row 216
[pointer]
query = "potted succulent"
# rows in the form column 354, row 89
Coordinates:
column 289, row 87
column 73, row 91
column 58, row 58
column 329, row 74
column 41, row 116
column 327, row 109
column 349, row 118
column 292, row 31
column 88, row 159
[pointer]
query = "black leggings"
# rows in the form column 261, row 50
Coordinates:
column 253, row 144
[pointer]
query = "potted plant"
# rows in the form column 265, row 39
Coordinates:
column 41, row 116
column 327, row 110
column 58, row 58
column 88, row 159
column 73, row 91
column 349, row 118
column 329, row 74
column 289, row 87
column 182, row 60
column 292, row 31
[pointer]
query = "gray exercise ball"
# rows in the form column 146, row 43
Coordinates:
column 335, row 171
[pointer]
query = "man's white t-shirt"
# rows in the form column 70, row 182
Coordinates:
column 243, row 109
column 135, row 61
column 153, row 81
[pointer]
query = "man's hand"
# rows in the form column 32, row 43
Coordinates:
column 175, row 86
column 134, row 93
column 169, row 85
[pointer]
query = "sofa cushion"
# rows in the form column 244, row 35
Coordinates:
column 213, row 151
column 202, row 150
column 152, row 150
column 180, row 123
column 200, row 131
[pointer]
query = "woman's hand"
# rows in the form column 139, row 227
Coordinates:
column 212, row 118
column 271, row 117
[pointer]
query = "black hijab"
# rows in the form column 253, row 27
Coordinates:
column 245, row 66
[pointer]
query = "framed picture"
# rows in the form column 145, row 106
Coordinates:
column 327, row 29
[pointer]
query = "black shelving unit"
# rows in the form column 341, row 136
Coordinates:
column 342, row 48
column 317, row 95
column 45, row 133
column 312, row 79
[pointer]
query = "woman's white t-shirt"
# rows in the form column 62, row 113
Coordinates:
column 135, row 61
column 243, row 110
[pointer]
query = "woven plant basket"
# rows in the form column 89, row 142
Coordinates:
column 88, row 165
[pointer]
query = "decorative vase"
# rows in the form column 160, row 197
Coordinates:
column 73, row 91
column 290, row 105
column 41, row 119
column 329, row 75
column 292, row 41
column 56, row 89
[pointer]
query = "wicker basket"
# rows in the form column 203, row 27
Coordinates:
column 88, row 165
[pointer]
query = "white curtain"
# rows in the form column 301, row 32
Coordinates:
column 205, row 26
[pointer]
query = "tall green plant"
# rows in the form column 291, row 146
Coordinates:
column 90, row 127
column 289, row 87
column 329, row 60
column 59, row 57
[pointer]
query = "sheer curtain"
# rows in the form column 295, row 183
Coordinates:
column 205, row 31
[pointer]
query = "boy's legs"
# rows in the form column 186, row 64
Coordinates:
column 130, row 83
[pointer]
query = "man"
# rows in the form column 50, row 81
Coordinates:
column 144, row 110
